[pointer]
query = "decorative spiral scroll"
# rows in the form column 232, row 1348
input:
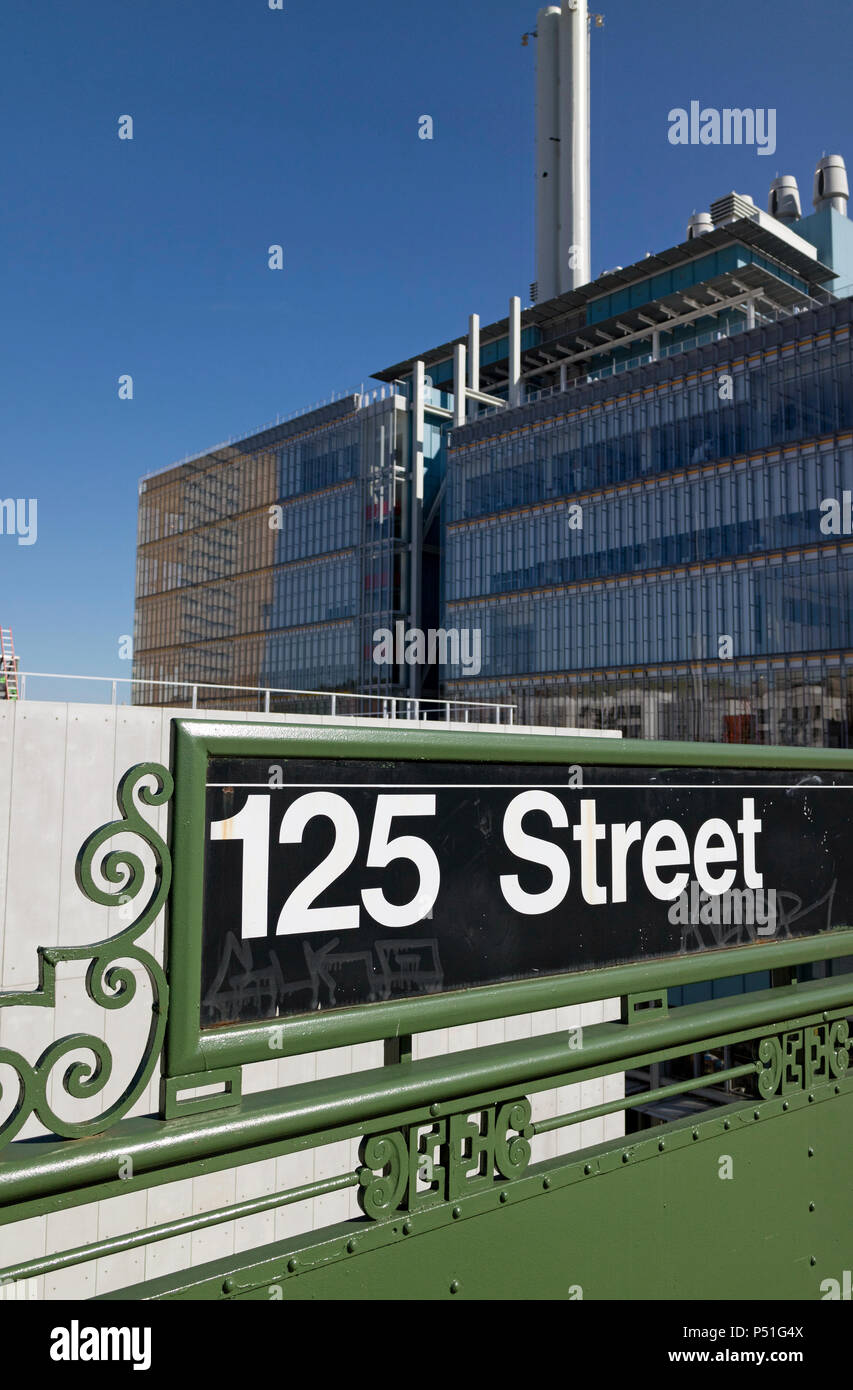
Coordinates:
column 111, row 980
column 27, row 1086
column 770, row 1051
column 837, row 1047
column 513, row 1155
column 380, row 1194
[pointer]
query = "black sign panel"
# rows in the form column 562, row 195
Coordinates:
column 330, row 883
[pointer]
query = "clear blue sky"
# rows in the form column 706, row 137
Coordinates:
column 300, row 127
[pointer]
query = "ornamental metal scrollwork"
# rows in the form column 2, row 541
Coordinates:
column 838, row 1047
column 380, row 1195
column 110, row 981
column 797, row 1060
column 770, row 1052
column 512, row 1155
column 422, row 1166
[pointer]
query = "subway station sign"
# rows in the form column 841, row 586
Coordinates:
column 337, row 869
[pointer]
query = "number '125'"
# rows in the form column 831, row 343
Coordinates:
column 251, row 826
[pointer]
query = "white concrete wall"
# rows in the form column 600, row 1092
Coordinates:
column 59, row 768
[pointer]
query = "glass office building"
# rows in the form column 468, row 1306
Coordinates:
column 646, row 552
column 269, row 563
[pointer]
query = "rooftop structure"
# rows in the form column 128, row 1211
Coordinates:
column 737, row 274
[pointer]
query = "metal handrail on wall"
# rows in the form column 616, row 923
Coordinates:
column 390, row 706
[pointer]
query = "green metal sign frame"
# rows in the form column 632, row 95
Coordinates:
column 194, row 1055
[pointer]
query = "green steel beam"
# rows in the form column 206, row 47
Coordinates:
column 316, row 1113
column 436, row 745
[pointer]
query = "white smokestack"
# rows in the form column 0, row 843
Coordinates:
column 562, row 149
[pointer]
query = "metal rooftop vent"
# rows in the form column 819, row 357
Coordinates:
column 732, row 207
column 783, row 201
column 831, row 188
column 699, row 225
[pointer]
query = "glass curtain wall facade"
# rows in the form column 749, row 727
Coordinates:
column 269, row 563
column 650, row 552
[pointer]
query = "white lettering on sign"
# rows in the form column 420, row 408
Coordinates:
column 665, row 846
column 298, row 915
column 251, row 825
column 537, row 851
column 663, row 853
column 383, row 850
